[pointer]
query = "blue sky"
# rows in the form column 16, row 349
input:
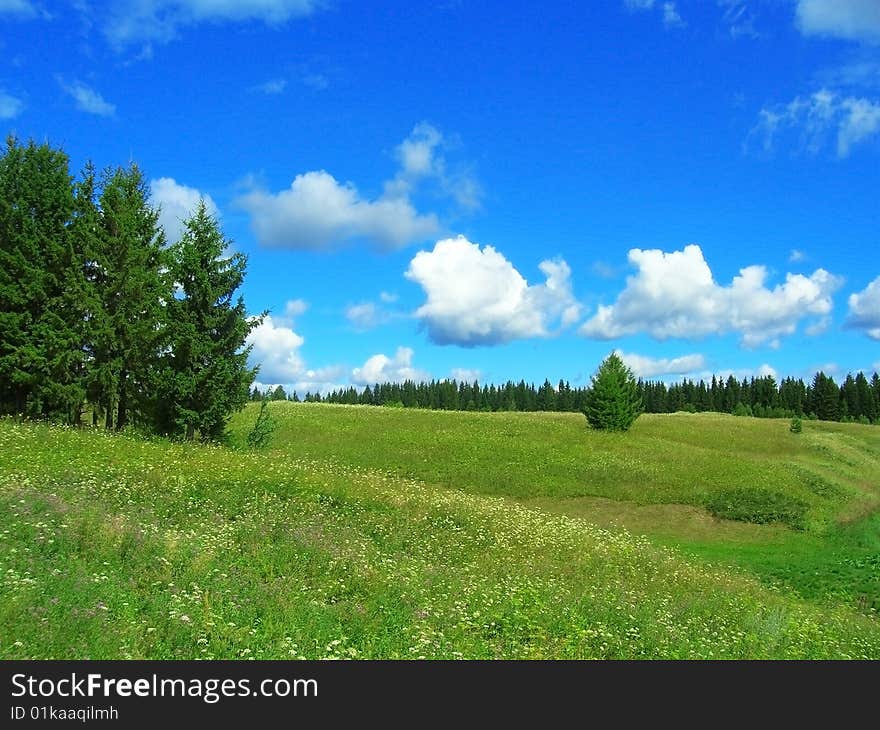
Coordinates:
column 495, row 190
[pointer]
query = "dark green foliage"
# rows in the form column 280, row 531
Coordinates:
column 758, row 505
column 825, row 398
column 613, row 401
column 758, row 397
column 131, row 288
column 204, row 375
column 261, row 433
column 40, row 285
column 279, row 393
column 796, row 425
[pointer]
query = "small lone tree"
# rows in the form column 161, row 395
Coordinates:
column 259, row 436
column 613, row 400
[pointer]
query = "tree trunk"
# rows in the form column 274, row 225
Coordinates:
column 122, row 413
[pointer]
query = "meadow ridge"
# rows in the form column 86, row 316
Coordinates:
column 383, row 533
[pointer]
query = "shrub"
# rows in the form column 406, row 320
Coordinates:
column 796, row 425
column 261, row 433
column 761, row 506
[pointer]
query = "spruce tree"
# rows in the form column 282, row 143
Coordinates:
column 613, row 401
column 825, row 398
column 205, row 377
column 40, row 284
column 131, row 289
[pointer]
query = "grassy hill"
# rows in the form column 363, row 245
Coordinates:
column 385, row 533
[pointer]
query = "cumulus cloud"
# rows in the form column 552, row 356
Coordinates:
column 476, row 297
column 850, row 19
column 465, row 375
column 674, row 295
column 295, row 307
column 276, row 351
column 365, row 315
column 796, row 255
column 388, row 297
column 819, row 118
column 10, row 107
column 176, row 203
column 647, row 367
column 317, row 212
column 383, row 369
column 421, row 159
column 136, row 21
column 864, row 310
column 87, row 99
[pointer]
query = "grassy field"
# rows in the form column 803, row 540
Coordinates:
column 665, row 479
column 384, row 533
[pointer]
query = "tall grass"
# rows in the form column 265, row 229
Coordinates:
column 116, row 547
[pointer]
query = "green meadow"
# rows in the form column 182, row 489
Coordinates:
column 365, row 532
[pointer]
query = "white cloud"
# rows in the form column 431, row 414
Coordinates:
column 420, row 159
column 646, row 367
column 87, row 99
column 273, row 87
column 796, row 255
column 820, row 326
column 739, row 19
column 674, row 295
column 668, row 10
column 603, row 270
column 850, row 19
column 10, row 107
column 671, row 17
column 276, row 351
column 818, row 118
column 176, row 203
column 365, row 315
column 20, row 9
column 295, row 307
column 465, row 375
column 388, row 297
column 135, row 21
column 383, row 369
column 864, row 310
column 476, row 297
column 317, row 212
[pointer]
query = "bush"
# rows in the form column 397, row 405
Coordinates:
column 796, row 425
column 264, row 426
column 742, row 409
column 757, row 505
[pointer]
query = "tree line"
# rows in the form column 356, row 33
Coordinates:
column 856, row 399
column 100, row 318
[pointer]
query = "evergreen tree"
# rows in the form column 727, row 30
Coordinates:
column 132, row 290
column 205, row 377
column 613, row 401
column 40, row 285
column 825, row 398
